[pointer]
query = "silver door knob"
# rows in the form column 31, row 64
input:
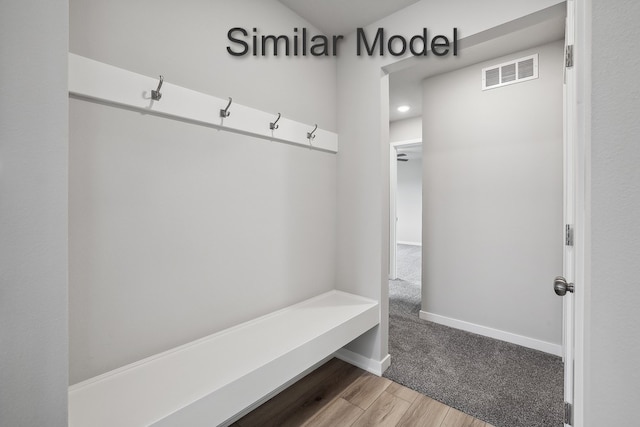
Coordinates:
column 561, row 287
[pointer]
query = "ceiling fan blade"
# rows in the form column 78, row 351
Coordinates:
column 403, row 160
column 402, row 154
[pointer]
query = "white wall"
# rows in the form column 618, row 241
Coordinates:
column 186, row 42
column 492, row 230
column 363, row 172
column 405, row 130
column 613, row 344
column 409, row 201
column 32, row 218
column 178, row 231
column 33, row 213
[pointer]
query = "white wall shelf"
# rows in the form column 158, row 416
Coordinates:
column 103, row 82
column 211, row 380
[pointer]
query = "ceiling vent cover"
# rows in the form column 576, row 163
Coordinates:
column 507, row 73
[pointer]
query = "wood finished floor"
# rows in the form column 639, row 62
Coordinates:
column 339, row 395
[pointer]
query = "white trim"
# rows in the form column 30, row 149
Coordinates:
column 90, row 79
column 582, row 230
column 570, row 199
column 547, row 347
column 410, row 243
column 393, row 213
column 407, row 142
column 376, row 367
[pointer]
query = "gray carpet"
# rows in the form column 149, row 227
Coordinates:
column 501, row 383
column 408, row 263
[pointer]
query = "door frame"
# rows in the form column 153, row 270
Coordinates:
column 393, row 201
column 569, row 215
column 579, row 100
column 579, row 103
column 577, row 122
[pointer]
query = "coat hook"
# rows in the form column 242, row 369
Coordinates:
column 155, row 94
column 226, row 113
column 274, row 125
column 310, row 135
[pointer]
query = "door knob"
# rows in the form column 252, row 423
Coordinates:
column 561, row 287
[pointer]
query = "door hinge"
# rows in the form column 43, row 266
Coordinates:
column 568, row 235
column 569, row 56
column 568, row 413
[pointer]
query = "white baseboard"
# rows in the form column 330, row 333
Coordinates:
column 547, row 347
column 376, row 367
column 409, row 243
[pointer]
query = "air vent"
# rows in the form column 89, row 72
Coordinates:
column 507, row 73
column 492, row 77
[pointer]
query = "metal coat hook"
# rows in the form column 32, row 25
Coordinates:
column 310, row 135
column 274, row 125
column 226, row 113
column 155, row 94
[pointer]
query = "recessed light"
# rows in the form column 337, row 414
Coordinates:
column 404, row 108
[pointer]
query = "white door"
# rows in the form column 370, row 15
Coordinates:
column 563, row 285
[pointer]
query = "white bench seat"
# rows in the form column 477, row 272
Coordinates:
column 208, row 381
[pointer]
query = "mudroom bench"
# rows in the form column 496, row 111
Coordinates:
column 214, row 379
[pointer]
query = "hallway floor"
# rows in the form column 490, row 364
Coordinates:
column 496, row 381
column 341, row 395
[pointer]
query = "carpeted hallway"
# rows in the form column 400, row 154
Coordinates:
column 501, row 383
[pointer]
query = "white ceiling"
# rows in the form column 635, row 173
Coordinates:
column 344, row 16
column 335, row 17
column 405, row 87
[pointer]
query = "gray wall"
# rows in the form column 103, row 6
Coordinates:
column 178, row 231
column 409, row 201
column 613, row 344
column 492, row 227
column 33, row 213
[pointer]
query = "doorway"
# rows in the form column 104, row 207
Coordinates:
column 468, row 179
column 406, row 210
